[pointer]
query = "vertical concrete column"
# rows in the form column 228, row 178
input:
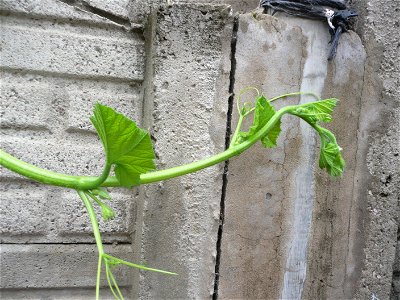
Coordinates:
column 274, row 197
column 259, row 198
column 378, row 161
column 187, row 100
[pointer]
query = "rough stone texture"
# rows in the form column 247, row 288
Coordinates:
column 50, row 9
column 396, row 272
column 186, row 98
column 58, row 293
column 116, row 7
column 257, row 198
column 55, row 215
column 290, row 231
column 138, row 10
column 331, row 273
column 68, row 50
column 276, row 239
column 237, row 6
column 379, row 147
column 56, row 62
column 56, row 266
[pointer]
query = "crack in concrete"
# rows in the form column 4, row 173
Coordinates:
column 86, row 7
column 227, row 142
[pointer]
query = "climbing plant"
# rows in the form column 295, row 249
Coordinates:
column 128, row 153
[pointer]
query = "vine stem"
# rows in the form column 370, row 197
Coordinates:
column 97, row 236
column 89, row 182
column 234, row 137
column 49, row 177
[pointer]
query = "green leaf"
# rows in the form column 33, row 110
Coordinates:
column 316, row 111
column 330, row 154
column 127, row 146
column 270, row 139
column 262, row 114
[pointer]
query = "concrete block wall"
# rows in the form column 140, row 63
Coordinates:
column 57, row 61
column 268, row 223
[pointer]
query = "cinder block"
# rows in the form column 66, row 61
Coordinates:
column 68, row 51
column 55, row 104
column 44, row 214
column 23, row 103
column 57, row 60
column 191, row 79
column 39, row 214
column 74, row 225
column 22, row 211
column 80, row 157
column 58, row 266
column 82, row 97
column 60, row 294
column 51, row 8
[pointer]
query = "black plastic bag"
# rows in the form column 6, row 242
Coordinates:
column 337, row 13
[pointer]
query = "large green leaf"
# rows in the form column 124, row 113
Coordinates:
column 262, row 114
column 330, row 153
column 127, row 146
column 316, row 111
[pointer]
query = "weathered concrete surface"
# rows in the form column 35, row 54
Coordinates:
column 50, row 266
column 117, row 8
column 64, row 52
column 331, row 274
column 257, row 197
column 59, row 293
column 55, row 215
column 186, row 97
column 138, row 10
column 57, row 61
column 51, row 9
column 379, row 147
column 63, row 56
column 47, row 106
column 396, row 272
column 237, row 6
column 275, row 229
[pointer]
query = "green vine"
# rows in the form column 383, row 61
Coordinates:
column 129, row 153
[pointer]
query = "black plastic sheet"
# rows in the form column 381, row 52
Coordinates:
column 337, row 14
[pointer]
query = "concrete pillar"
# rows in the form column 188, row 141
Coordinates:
column 187, row 101
column 281, row 212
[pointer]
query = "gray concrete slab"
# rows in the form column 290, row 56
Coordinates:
column 187, row 98
column 273, row 222
column 59, row 50
column 270, row 56
column 57, row 266
column 50, row 9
